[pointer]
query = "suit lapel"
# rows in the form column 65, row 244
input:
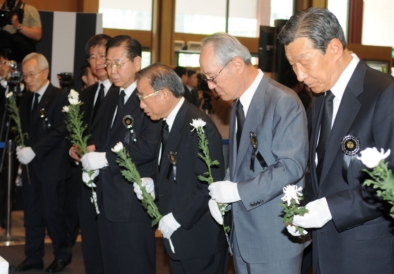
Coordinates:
column 173, row 140
column 252, row 121
column 103, row 107
column 347, row 112
column 42, row 104
column 232, row 142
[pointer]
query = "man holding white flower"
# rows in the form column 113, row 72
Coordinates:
column 268, row 150
column 48, row 167
column 353, row 110
column 126, row 236
column 199, row 242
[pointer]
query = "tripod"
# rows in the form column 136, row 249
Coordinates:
column 7, row 239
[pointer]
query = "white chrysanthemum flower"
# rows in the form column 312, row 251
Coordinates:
column 65, row 109
column 118, row 147
column 198, row 123
column 371, row 156
column 73, row 97
column 292, row 192
column 9, row 94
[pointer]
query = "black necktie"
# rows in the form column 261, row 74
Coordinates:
column 325, row 129
column 121, row 100
column 100, row 97
column 240, row 121
column 35, row 103
column 164, row 137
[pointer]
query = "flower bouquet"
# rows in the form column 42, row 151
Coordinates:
column 14, row 115
column 381, row 177
column 130, row 172
column 75, row 127
column 198, row 125
column 291, row 201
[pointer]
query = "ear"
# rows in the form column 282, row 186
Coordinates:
column 46, row 73
column 84, row 79
column 239, row 64
column 137, row 63
column 335, row 48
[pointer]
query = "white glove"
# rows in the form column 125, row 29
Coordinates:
column 86, row 178
column 149, row 186
column 224, row 192
column 168, row 225
column 318, row 215
column 25, row 155
column 94, row 160
column 292, row 230
column 215, row 212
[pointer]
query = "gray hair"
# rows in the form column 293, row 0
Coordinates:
column 41, row 60
column 226, row 47
column 317, row 24
column 162, row 76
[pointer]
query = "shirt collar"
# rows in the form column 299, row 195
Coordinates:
column 107, row 85
column 129, row 90
column 339, row 88
column 247, row 96
column 42, row 90
column 171, row 117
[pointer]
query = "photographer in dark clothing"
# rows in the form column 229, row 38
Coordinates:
column 21, row 29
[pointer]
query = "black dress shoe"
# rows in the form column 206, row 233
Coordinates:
column 56, row 266
column 24, row 266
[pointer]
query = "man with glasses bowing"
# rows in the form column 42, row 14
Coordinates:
column 268, row 150
column 126, row 236
column 199, row 242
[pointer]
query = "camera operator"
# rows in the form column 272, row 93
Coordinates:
column 23, row 23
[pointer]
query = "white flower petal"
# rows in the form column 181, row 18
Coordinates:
column 65, row 109
column 371, row 157
column 118, row 147
column 9, row 94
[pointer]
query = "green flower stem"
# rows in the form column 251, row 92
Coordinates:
column 207, row 176
column 14, row 115
column 130, row 172
column 76, row 128
column 382, row 180
column 290, row 211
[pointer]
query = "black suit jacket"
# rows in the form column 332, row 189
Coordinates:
column 360, row 238
column 120, row 201
column 187, row 197
column 94, row 126
column 46, row 134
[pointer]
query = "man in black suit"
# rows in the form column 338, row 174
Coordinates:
column 353, row 110
column 94, row 99
column 126, row 236
column 199, row 242
column 45, row 155
column 189, row 94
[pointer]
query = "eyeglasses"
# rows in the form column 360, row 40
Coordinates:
column 94, row 58
column 115, row 65
column 32, row 75
column 212, row 80
column 142, row 98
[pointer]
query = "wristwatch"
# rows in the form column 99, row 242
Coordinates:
column 19, row 28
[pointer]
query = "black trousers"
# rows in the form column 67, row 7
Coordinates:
column 212, row 264
column 91, row 248
column 43, row 203
column 127, row 247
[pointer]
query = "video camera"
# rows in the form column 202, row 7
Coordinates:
column 8, row 10
column 14, row 81
column 66, row 80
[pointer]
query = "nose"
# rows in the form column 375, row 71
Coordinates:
column 211, row 84
column 142, row 104
column 301, row 73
